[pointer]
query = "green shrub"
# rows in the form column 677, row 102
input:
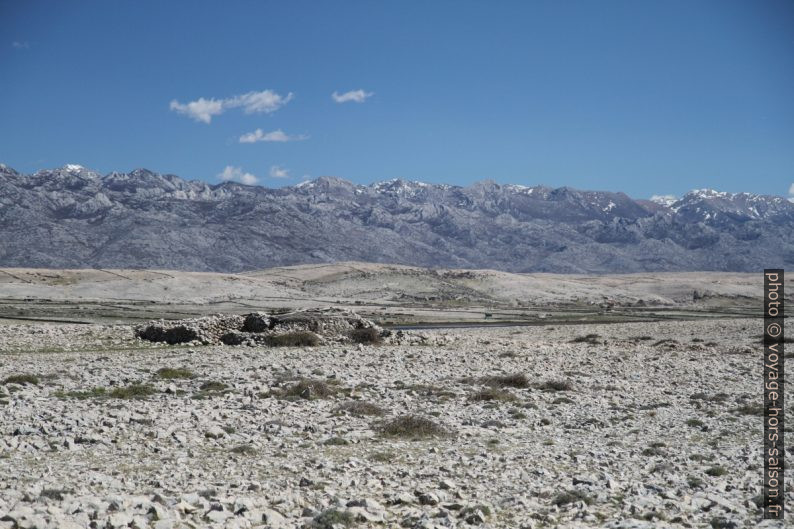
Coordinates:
column 134, row 391
column 170, row 373
column 333, row 518
column 22, row 379
column 571, row 496
column 365, row 335
column 694, row 482
column 212, row 385
column 716, row 471
column 383, row 457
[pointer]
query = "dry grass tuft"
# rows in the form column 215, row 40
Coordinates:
column 515, row 380
column 556, row 385
column 244, row 450
column 307, row 388
column 592, row 339
column 413, row 426
column 212, row 385
column 360, row 408
column 492, row 394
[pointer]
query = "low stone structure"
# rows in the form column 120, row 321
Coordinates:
column 258, row 328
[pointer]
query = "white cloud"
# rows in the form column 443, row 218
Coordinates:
column 276, row 135
column 200, row 110
column 357, row 96
column 277, row 171
column 266, row 101
column 20, row 45
column 791, row 193
column 231, row 173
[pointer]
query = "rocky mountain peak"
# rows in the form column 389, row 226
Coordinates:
column 71, row 217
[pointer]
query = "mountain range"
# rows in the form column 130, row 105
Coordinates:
column 72, row 217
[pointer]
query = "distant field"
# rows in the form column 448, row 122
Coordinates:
column 394, row 295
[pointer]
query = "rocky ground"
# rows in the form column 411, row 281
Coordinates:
column 623, row 425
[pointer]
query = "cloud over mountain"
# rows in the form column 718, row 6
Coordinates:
column 231, row 173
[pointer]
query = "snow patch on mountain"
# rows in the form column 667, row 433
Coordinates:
column 68, row 218
column 664, row 200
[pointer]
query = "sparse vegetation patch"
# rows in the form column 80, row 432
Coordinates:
column 169, row 373
column 212, row 385
column 556, row 385
column 365, row 335
column 336, row 441
column 244, row 450
column 492, row 394
column 382, row 457
column 413, row 426
column 22, row 379
column 429, row 390
column 571, row 496
column 360, row 408
column 133, row 391
column 592, row 339
column 517, row 380
column 81, row 395
column 750, row 409
column 306, row 388
column 667, row 342
column 716, row 471
column 716, row 397
column 333, row 519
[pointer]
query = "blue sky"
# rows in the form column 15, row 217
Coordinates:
column 636, row 96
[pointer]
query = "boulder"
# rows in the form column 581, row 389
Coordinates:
column 256, row 322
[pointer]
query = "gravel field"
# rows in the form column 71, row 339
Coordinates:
column 622, row 425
